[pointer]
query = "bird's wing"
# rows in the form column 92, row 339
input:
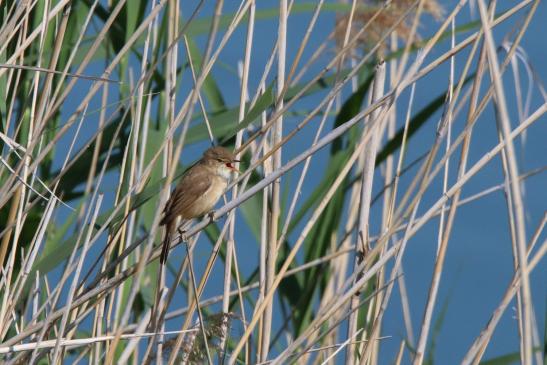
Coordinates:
column 194, row 183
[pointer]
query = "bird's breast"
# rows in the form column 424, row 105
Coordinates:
column 206, row 202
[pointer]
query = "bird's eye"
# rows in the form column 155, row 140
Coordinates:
column 229, row 165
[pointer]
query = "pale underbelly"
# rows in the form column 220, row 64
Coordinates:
column 206, row 202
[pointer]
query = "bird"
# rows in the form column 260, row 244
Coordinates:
column 197, row 192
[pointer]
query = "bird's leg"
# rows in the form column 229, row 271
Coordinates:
column 182, row 233
column 211, row 216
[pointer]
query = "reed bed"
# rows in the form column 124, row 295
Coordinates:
column 362, row 128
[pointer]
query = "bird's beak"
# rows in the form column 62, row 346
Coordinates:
column 233, row 168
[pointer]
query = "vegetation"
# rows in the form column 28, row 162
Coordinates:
column 104, row 103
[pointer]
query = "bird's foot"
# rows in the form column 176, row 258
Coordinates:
column 211, row 216
column 182, row 234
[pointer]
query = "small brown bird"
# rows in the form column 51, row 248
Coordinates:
column 197, row 191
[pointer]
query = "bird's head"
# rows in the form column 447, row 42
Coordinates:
column 222, row 160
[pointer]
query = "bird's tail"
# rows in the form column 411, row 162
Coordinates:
column 166, row 243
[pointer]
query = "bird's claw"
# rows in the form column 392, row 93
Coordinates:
column 211, row 216
column 182, row 234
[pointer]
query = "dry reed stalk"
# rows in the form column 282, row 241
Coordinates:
column 105, row 299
